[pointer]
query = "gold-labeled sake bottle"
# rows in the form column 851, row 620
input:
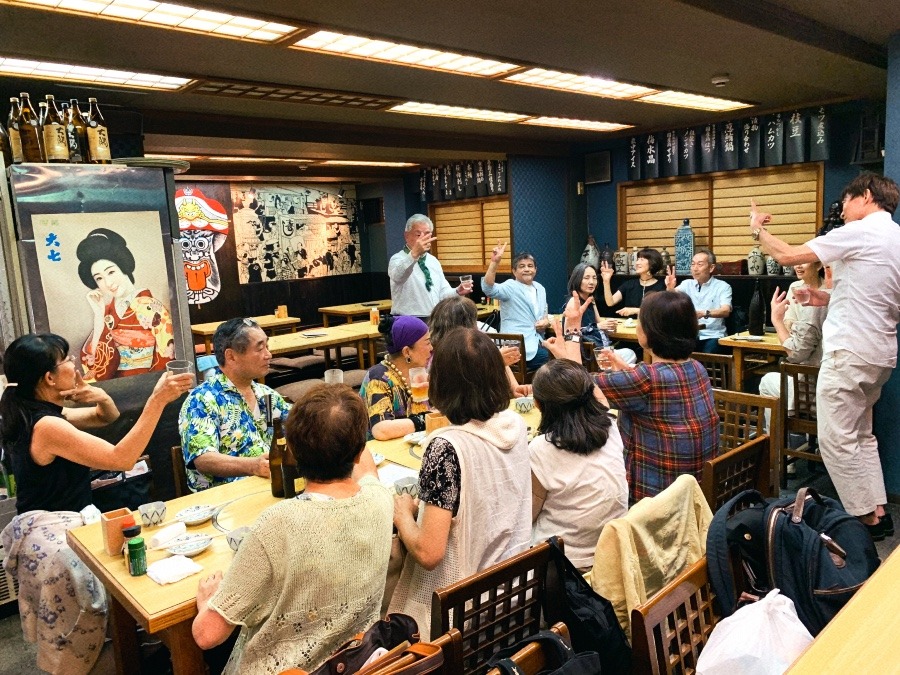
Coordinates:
column 56, row 145
column 76, row 133
column 30, row 131
column 12, row 126
column 98, row 135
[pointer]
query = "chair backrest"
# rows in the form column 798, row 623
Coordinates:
column 720, row 368
column 496, row 607
column 803, row 380
column 746, row 467
column 410, row 658
column 520, row 369
column 742, row 418
column 532, row 658
column 669, row 631
column 179, row 473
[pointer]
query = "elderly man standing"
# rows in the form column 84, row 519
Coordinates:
column 711, row 298
column 224, row 431
column 417, row 278
column 859, row 336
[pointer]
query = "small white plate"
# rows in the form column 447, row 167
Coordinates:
column 415, row 437
column 194, row 515
column 189, row 544
column 750, row 338
column 378, row 457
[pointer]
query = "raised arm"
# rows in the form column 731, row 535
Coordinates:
column 784, row 253
column 490, row 275
column 606, row 274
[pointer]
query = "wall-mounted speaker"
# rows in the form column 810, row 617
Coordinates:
column 597, row 168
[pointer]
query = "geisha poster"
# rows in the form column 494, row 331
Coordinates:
column 106, row 289
column 285, row 232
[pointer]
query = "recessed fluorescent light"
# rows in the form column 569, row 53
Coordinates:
column 65, row 72
column 579, row 84
column 694, row 101
column 567, row 123
column 150, row 155
column 361, row 47
column 227, row 158
column 166, row 15
column 414, row 108
column 351, row 162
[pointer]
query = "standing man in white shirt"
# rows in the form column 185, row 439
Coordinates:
column 859, row 336
column 711, row 298
column 417, row 278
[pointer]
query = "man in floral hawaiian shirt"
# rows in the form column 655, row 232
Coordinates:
column 223, row 427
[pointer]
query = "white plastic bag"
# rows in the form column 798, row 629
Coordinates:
column 760, row 639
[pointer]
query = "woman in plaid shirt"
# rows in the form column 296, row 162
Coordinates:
column 667, row 415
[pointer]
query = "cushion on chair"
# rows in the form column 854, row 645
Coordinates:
column 353, row 378
column 346, row 352
column 294, row 391
column 298, row 362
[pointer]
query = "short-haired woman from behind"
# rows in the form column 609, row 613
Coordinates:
column 667, row 415
column 578, row 479
column 474, row 482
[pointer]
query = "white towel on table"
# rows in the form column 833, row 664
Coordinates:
column 170, row 570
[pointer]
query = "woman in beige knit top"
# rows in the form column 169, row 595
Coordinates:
column 311, row 573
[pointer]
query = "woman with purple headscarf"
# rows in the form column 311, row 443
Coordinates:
column 386, row 388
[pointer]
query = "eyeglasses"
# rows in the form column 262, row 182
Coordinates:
column 69, row 359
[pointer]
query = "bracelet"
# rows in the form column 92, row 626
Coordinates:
column 418, row 421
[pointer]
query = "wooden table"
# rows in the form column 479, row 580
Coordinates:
column 353, row 310
column 360, row 335
column 168, row 610
column 270, row 323
column 768, row 345
column 860, row 639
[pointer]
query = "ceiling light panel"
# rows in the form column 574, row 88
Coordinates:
column 579, row 84
column 351, row 162
column 584, row 125
column 65, row 72
column 361, row 47
column 434, row 110
column 693, row 101
column 274, row 92
column 166, row 15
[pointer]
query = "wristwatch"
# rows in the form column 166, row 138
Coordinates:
column 706, row 316
column 572, row 337
column 755, row 234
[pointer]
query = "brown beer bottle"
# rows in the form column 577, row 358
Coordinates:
column 76, row 133
column 56, row 146
column 276, row 455
column 289, row 472
column 97, row 135
column 30, row 131
column 12, row 126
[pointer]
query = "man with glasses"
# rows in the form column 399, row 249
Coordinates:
column 225, row 432
column 859, row 336
column 711, row 298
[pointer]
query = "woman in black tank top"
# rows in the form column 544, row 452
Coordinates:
column 49, row 448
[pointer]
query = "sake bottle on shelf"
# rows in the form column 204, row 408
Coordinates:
column 5, row 149
column 97, row 134
column 12, row 128
column 756, row 315
column 76, row 133
column 56, row 146
column 42, row 114
column 29, row 131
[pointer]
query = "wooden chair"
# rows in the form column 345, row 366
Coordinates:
column 451, row 647
column 720, row 368
column 803, row 419
column 520, row 369
column 746, row 467
column 669, row 631
column 179, row 472
column 496, row 607
column 532, row 659
column 742, row 418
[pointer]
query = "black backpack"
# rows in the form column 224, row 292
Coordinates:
column 807, row 546
column 590, row 618
column 562, row 656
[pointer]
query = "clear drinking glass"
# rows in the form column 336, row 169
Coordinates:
column 603, row 356
column 418, row 383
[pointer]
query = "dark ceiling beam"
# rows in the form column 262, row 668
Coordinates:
column 775, row 19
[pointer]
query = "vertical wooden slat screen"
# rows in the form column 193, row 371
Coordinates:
column 718, row 206
column 468, row 231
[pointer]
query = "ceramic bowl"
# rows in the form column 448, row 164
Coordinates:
column 407, row 486
column 236, row 536
column 189, row 545
column 153, row 513
column 524, row 404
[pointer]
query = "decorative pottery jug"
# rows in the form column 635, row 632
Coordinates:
column 756, row 264
column 633, row 259
column 621, row 260
column 684, row 247
column 666, row 258
column 772, row 266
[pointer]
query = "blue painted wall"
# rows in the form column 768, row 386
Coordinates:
column 538, row 208
column 887, row 419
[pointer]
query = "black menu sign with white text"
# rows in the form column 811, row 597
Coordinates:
column 818, row 135
column 687, row 161
column 750, row 141
column 634, row 158
column 773, row 140
column 728, row 147
column 709, row 160
column 651, row 157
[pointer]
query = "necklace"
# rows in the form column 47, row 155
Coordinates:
column 387, row 363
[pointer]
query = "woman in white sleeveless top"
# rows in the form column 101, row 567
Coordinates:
column 474, row 485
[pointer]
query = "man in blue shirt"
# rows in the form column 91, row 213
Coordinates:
column 711, row 298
